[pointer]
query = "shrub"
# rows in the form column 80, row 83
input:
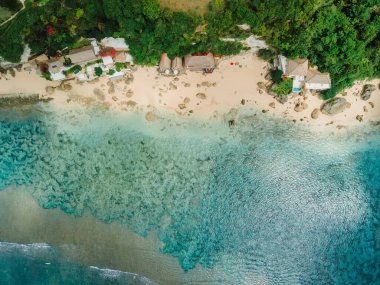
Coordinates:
column 276, row 76
column 67, row 62
column 111, row 72
column 284, row 87
column 98, row 71
column 119, row 66
column 266, row 54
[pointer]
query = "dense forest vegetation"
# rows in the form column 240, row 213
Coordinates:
column 339, row 36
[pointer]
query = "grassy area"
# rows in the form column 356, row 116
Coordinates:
column 186, row 5
column 5, row 13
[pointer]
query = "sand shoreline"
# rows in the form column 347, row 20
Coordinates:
column 211, row 96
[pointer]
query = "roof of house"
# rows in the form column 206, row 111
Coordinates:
column 42, row 58
column 314, row 76
column 177, row 63
column 199, row 62
column 165, row 62
column 107, row 60
column 123, row 57
column 118, row 44
column 81, row 55
column 56, row 66
column 298, row 67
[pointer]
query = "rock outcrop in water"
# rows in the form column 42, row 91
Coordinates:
column 335, row 106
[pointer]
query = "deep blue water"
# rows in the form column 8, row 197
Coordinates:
column 267, row 201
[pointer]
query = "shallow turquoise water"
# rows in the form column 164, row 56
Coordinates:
column 266, row 201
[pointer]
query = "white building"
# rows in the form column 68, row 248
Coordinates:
column 298, row 69
column 116, row 76
column 107, row 60
column 316, row 80
column 118, row 44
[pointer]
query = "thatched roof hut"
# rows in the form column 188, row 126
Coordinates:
column 165, row 64
column 204, row 62
column 177, row 65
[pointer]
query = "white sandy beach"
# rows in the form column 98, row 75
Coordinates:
column 230, row 86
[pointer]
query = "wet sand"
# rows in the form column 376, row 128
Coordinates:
column 88, row 241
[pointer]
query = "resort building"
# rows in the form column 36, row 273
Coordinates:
column 123, row 57
column 56, row 69
column 177, row 65
column 165, row 64
column 95, row 47
column 118, row 44
column 316, row 80
column 200, row 62
column 116, row 76
column 298, row 70
column 107, row 60
column 82, row 55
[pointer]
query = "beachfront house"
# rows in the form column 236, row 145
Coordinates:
column 165, row 64
column 200, row 62
column 56, row 69
column 298, row 70
column 107, row 60
column 294, row 68
column 118, row 44
column 316, row 80
column 95, row 47
column 177, row 65
column 82, row 55
column 117, row 75
column 123, row 57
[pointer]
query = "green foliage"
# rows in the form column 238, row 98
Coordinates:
column 119, row 66
column 98, row 71
column 75, row 69
column 284, row 87
column 266, row 54
column 276, row 76
column 111, row 72
column 12, row 5
column 340, row 37
column 47, row 75
column 67, row 61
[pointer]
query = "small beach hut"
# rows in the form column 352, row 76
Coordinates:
column 165, row 64
column 200, row 62
column 177, row 65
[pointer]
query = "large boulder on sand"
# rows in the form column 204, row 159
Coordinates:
column 335, row 106
column 315, row 113
column 367, row 91
column 281, row 99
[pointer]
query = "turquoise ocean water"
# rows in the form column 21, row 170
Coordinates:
column 267, row 202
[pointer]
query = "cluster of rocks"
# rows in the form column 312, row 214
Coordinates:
column 183, row 105
column 367, row 91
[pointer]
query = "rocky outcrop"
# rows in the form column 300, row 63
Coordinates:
column 150, row 116
column 335, row 106
column 50, row 90
column 359, row 118
column 281, row 99
column 367, row 91
column 201, row 96
column 315, row 114
column 299, row 107
column 261, row 85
